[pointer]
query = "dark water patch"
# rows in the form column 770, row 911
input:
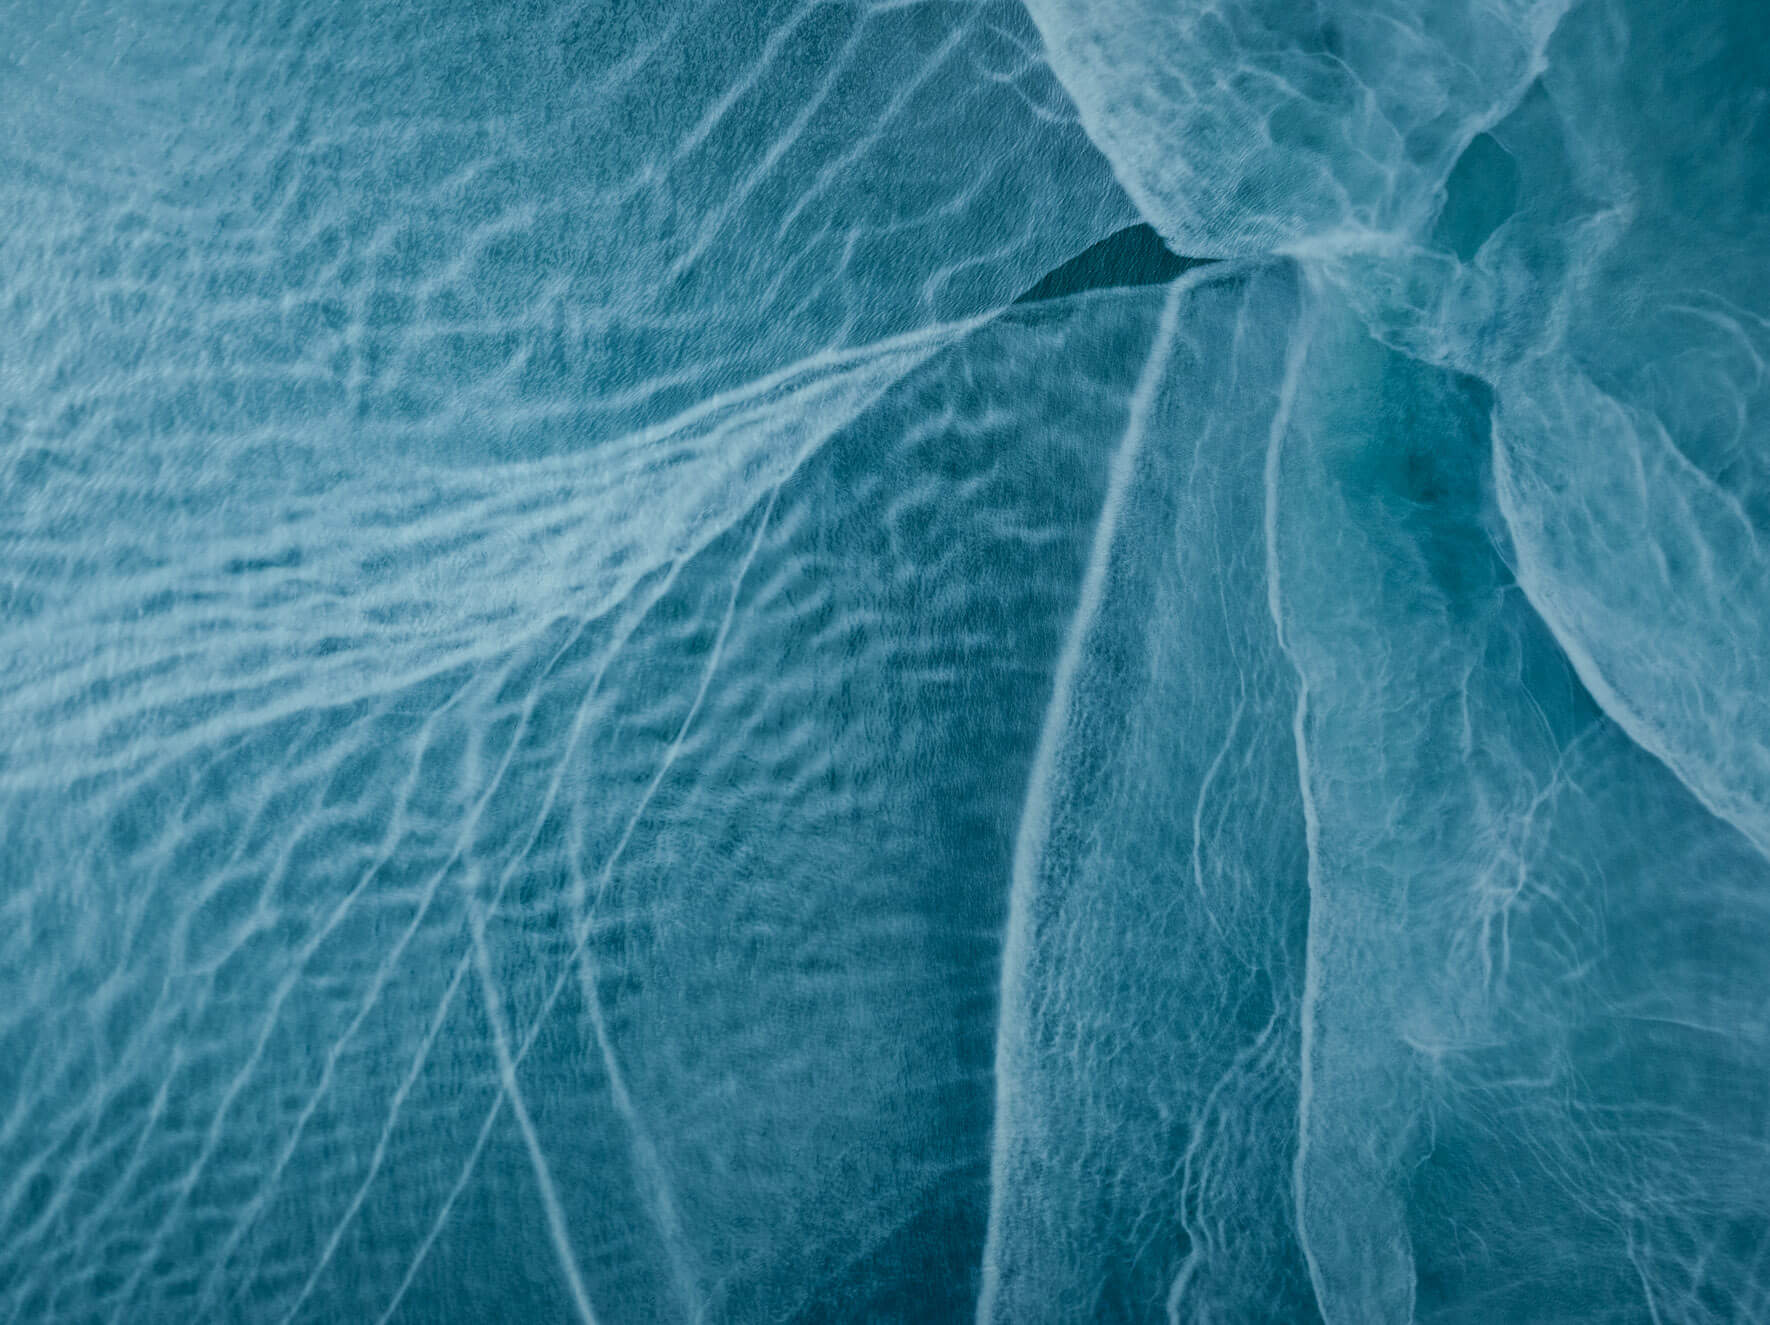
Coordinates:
column 1482, row 192
column 1135, row 255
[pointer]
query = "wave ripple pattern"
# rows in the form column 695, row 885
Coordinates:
column 885, row 660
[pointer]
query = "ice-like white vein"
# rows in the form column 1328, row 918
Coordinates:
column 658, row 1191
column 446, row 1002
column 1539, row 591
column 557, row 1228
column 1035, row 819
column 585, row 932
column 1281, row 419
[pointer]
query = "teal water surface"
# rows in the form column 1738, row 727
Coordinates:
column 885, row 661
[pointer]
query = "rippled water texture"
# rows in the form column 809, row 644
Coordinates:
column 913, row 661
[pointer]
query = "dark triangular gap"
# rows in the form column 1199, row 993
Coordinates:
column 1135, row 255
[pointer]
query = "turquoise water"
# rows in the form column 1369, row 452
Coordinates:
column 885, row 662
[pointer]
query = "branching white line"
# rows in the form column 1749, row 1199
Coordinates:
column 665, row 1210
column 557, row 1227
column 658, row 1191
